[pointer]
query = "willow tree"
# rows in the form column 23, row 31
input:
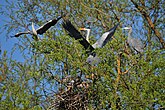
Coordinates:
column 54, row 69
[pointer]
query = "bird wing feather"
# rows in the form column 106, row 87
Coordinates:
column 47, row 25
column 138, row 45
column 20, row 33
column 105, row 38
column 41, row 29
column 73, row 32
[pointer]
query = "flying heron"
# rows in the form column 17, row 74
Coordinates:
column 41, row 29
column 136, row 44
column 102, row 41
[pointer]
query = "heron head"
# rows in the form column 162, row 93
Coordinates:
column 84, row 29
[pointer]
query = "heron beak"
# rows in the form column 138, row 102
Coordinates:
column 81, row 29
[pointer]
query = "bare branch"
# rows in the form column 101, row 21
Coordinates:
column 146, row 16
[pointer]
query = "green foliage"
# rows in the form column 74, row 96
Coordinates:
column 137, row 83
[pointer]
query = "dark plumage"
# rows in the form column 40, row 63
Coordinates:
column 47, row 25
column 102, row 41
column 20, row 33
column 41, row 29
column 73, row 32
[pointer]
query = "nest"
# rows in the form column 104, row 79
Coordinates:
column 74, row 97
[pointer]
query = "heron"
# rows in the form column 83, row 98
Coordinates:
column 102, row 41
column 136, row 44
column 74, row 33
column 41, row 30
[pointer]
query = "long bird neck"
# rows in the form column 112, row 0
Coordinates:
column 88, row 33
column 33, row 30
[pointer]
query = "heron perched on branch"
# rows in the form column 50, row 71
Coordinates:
column 136, row 44
column 103, row 40
column 41, row 29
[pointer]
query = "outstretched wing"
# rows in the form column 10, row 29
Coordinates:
column 41, row 29
column 47, row 25
column 73, row 32
column 105, row 38
column 111, row 33
column 20, row 33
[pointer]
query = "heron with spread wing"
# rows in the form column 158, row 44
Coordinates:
column 102, row 41
column 41, row 29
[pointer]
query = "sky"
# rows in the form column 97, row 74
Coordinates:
column 7, row 43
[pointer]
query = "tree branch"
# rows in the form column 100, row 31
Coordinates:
column 118, row 69
column 146, row 16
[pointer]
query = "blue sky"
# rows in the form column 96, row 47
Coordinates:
column 7, row 43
